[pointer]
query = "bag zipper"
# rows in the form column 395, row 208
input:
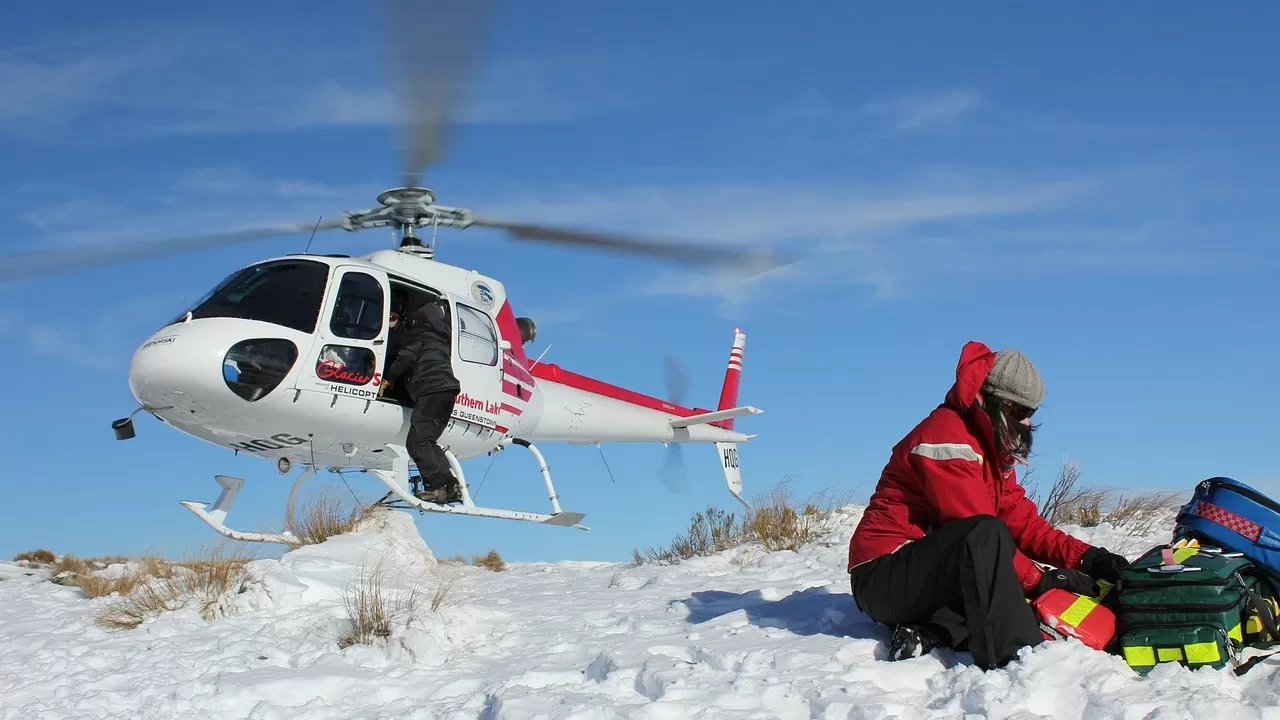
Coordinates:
column 1205, row 607
column 1253, row 495
column 1146, row 625
column 1153, row 582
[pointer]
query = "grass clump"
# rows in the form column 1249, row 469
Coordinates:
column 489, row 561
column 324, row 518
column 154, row 586
column 1068, row 502
column 383, row 597
column 36, row 557
column 778, row 521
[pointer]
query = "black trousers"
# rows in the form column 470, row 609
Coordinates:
column 957, row 585
column 430, row 415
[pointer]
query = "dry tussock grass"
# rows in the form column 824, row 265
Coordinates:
column 323, row 518
column 778, row 521
column 710, row 530
column 1068, row 502
column 489, row 561
column 156, row 586
column 37, row 557
column 782, row 522
column 375, row 607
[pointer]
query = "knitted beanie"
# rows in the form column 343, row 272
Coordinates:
column 1014, row 378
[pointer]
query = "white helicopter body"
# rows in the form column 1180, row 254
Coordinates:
column 285, row 358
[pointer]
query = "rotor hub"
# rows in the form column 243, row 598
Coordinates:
column 408, row 205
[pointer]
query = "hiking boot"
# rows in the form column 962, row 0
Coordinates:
column 908, row 642
column 441, row 495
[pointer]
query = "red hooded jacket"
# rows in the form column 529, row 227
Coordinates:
column 946, row 469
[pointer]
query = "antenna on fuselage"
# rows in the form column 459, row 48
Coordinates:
column 313, row 235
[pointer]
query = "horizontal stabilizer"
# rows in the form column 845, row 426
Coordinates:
column 710, row 417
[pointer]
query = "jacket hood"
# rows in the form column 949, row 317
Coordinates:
column 976, row 360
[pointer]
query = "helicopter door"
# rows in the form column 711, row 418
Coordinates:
column 477, row 364
column 351, row 337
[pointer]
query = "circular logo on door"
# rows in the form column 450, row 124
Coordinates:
column 482, row 294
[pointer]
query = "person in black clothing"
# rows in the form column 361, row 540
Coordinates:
column 423, row 367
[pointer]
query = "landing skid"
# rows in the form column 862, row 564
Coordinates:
column 397, row 481
column 216, row 516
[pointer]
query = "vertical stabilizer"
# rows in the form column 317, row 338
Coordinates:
column 729, row 393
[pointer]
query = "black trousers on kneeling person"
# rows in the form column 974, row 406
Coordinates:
column 957, row 587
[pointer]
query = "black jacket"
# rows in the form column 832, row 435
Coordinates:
column 423, row 362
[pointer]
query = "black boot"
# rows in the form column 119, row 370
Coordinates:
column 441, row 488
column 909, row 641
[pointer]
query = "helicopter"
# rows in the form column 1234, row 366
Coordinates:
column 283, row 359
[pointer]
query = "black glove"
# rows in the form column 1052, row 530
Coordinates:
column 1103, row 564
column 1070, row 580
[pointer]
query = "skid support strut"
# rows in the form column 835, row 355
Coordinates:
column 216, row 516
column 397, row 481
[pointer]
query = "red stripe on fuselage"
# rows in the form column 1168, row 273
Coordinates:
column 513, row 369
column 510, row 332
column 514, row 390
column 557, row 374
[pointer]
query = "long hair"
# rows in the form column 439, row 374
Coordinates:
column 1013, row 439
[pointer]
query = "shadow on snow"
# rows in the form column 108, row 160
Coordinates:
column 813, row 611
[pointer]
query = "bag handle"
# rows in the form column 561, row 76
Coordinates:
column 1268, row 620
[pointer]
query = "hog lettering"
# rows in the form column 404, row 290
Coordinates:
column 730, row 458
column 279, row 441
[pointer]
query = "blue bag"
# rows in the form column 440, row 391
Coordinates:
column 1233, row 516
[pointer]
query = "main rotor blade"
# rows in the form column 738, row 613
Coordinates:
column 433, row 44
column 677, row 379
column 751, row 262
column 23, row 266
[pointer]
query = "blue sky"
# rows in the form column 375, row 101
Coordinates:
column 1093, row 185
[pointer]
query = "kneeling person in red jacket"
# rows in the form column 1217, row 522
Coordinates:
column 944, row 551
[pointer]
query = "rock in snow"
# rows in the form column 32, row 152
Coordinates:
column 740, row 634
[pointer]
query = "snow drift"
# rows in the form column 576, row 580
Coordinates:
column 739, row 634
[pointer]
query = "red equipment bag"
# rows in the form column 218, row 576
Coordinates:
column 1064, row 614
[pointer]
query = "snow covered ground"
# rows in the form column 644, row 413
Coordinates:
column 741, row 634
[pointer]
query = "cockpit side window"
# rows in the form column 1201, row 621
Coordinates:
column 477, row 341
column 357, row 313
column 281, row 292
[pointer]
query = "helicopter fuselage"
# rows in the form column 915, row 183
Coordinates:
column 284, row 360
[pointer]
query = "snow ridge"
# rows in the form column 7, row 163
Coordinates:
column 739, row 634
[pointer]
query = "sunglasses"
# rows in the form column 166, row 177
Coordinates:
column 1018, row 412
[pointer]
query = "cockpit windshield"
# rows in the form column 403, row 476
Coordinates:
column 281, row 292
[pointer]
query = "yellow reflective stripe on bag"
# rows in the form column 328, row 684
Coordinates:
column 1140, row 656
column 1192, row 653
column 1078, row 611
column 1205, row 652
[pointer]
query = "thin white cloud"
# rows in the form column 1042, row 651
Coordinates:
column 47, row 90
column 58, row 342
column 232, row 79
column 878, row 236
column 915, row 111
